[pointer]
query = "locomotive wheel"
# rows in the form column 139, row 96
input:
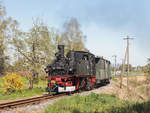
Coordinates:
column 92, row 87
column 79, row 90
column 69, row 93
column 82, row 85
column 88, row 85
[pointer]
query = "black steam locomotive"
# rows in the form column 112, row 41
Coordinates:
column 79, row 70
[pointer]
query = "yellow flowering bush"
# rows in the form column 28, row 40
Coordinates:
column 12, row 82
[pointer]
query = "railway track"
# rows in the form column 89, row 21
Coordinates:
column 29, row 101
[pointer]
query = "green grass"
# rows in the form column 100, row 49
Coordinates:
column 37, row 90
column 134, row 73
column 114, row 79
column 23, row 94
column 95, row 103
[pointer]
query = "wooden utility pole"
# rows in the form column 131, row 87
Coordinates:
column 115, row 56
column 127, row 55
column 123, row 65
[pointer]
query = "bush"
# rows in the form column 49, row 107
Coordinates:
column 12, row 82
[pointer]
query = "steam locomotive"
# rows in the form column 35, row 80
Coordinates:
column 78, row 70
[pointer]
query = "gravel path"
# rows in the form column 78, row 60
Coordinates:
column 39, row 108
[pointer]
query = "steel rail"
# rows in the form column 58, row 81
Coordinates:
column 23, row 102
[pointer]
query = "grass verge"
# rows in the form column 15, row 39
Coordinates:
column 94, row 103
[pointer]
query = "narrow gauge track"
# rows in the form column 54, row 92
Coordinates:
column 23, row 102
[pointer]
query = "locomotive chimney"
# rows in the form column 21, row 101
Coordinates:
column 61, row 50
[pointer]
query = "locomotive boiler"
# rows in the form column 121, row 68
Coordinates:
column 78, row 70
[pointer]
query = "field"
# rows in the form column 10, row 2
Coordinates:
column 138, row 88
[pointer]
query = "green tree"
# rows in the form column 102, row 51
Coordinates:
column 36, row 47
column 18, row 66
column 73, row 38
column 6, row 26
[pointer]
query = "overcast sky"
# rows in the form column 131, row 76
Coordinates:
column 104, row 22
